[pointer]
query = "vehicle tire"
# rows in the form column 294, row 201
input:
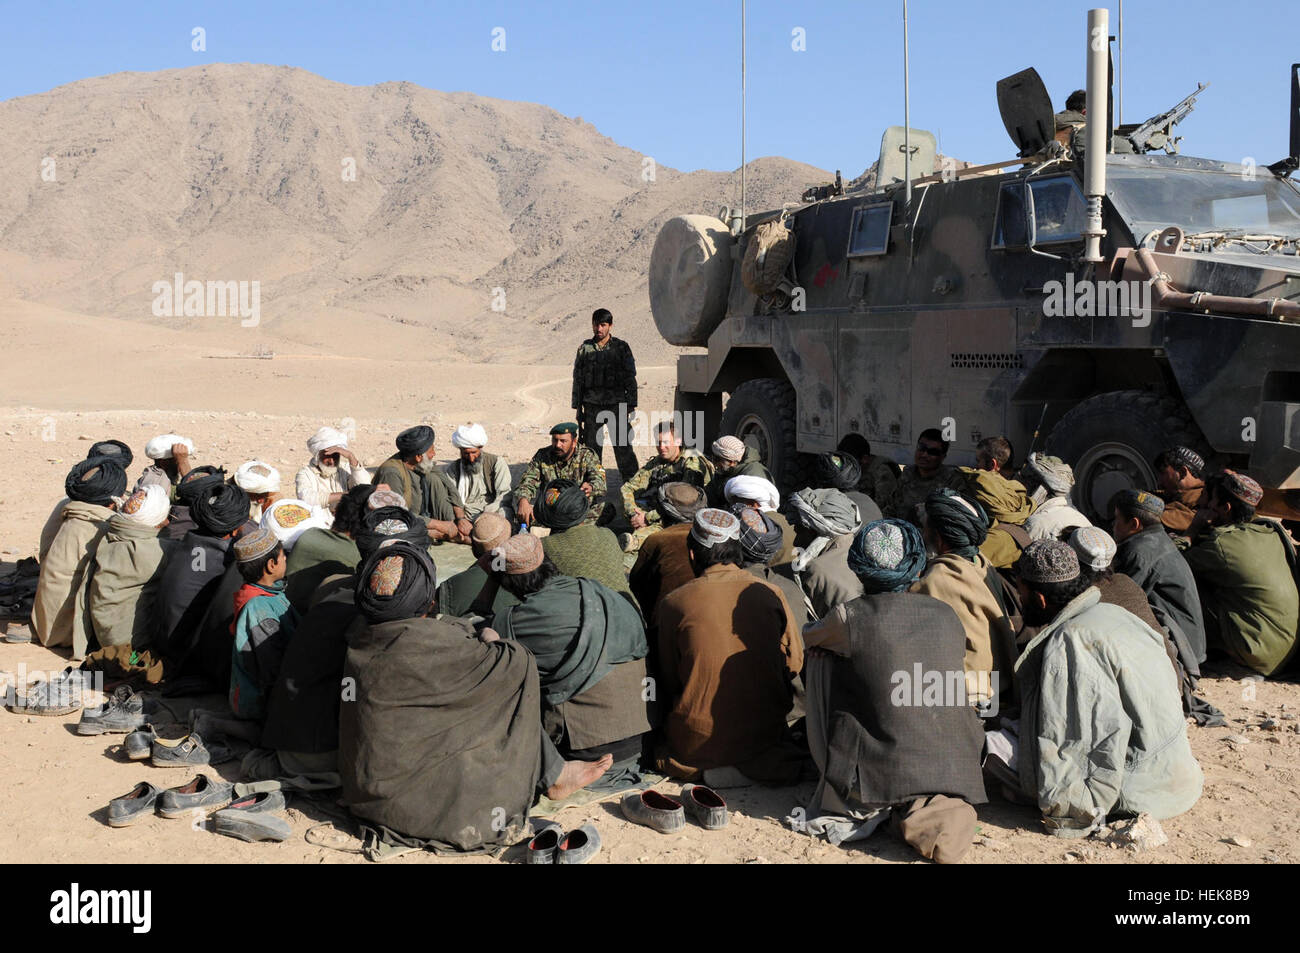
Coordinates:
column 1110, row 440
column 761, row 413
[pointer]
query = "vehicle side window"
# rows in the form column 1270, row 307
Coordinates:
column 1059, row 212
column 869, row 233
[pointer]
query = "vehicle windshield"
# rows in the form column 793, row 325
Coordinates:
column 1201, row 201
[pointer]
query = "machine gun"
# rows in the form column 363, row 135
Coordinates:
column 819, row 192
column 1157, row 132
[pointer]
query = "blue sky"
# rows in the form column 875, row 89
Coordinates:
column 662, row 76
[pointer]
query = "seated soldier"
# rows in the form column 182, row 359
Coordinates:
column 564, row 459
column 440, row 745
column 892, row 756
column 671, row 464
column 961, row 576
column 1244, row 571
column 927, row 473
column 841, row 471
column 728, row 654
column 128, row 569
column 1049, row 481
column 427, row 492
column 590, row 647
column 482, row 479
column 1102, row 729
column 577, row 547
column 58, row 613
column 732, row 457
column 879, row 476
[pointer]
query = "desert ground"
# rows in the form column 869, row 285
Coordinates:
column 69, row 379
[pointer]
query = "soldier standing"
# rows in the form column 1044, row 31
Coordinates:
column 604, row 390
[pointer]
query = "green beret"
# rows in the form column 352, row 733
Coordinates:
column 569, row 427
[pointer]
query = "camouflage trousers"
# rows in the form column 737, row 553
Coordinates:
column 596, row 418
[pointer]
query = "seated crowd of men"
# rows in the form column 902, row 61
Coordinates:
column 903, row 637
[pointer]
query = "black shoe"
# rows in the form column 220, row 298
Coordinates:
column 705, row 805
column 133, row 805
column 139, row 743
column 251, row 818
column 124, row 712
column 579, row 846
column 200, row 794
column 541, row 849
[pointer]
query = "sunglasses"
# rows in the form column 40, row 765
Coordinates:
column 930, row 451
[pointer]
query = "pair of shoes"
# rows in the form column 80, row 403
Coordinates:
column 124, row 712
column 139, row 743
column 60, row 695
column 142, row 799
column 667, row 815
column 185, row 752
column 552, row 846
column 253, row 818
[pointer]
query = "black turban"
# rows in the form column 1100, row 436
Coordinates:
column 390, row 522
column 197, row 482
column 414, row 440
column 112, row 448
column 220, row 509
column 396, row 581
column 562, row 504
column 963, row 524
column 96, row 480
column 758, row 545
column 838, row 471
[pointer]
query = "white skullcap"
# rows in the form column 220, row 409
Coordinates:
column 289, row 519
column 753, row 489
column 160, row 448
column 1095, row 547
column 469, row 435
column 326, row 437
column 257, row 477
column 147, row 506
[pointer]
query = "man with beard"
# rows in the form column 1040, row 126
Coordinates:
column 671, row 464
column 413, row 472
column 332, row 470
column 482, row 479
column 564, row 459
column 1180, row 475
column 1102, row 729
column 732, row 457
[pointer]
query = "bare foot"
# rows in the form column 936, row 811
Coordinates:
column 577, row 775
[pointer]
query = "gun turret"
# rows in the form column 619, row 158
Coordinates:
column 1157, row 132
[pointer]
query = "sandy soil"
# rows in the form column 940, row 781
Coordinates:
column 55, row 785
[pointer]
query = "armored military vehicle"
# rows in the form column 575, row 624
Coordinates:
column 1000, row 300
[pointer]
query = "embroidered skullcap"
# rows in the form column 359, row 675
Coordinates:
column 711, row 527
column 1048, row 560
column 1094, row 546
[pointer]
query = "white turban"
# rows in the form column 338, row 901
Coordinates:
column 323, row 438
column 469, row 435
column 160, row 448
column 147, row 506
column 289, row 519
column 257, row 477
column 753, row 489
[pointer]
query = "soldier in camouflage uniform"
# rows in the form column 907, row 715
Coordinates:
column 604, row 390
column 565, row 459
column 672, row 464
column 928, row 473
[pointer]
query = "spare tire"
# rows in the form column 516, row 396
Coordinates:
column 690, row 278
